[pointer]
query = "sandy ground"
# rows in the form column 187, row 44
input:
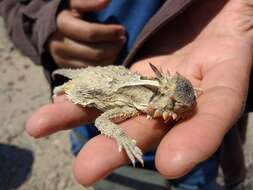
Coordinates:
column 26, row 163
column 45, row 164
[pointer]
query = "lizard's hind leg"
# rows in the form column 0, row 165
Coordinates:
column 106, row 126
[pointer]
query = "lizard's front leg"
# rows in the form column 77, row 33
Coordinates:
column 106, row 126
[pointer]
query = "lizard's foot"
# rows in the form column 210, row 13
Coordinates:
column 132, row 150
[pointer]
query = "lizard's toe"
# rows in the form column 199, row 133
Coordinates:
column 133, row 151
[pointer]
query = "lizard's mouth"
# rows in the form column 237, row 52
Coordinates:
column 166, row 115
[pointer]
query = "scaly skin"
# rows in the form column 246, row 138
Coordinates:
column 121, row 94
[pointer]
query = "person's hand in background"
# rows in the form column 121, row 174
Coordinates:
column 79, row 43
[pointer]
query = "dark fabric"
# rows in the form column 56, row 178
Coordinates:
column 249, row 103
column 169, row 10
column 30, row 26
column 25, row 2
column 231, row 157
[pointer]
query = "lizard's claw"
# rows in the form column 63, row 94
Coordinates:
column 133, row 151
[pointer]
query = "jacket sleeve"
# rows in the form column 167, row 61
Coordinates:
column 30, row 23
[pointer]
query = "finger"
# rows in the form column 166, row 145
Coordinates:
column 63, row 58
column 196, row 139
column 89, row 51
column 79, row 30
column 54, row 117
column 67, row 62
column 100, row 156
column 88, row 6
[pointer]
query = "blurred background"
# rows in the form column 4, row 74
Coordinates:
column 45, row 164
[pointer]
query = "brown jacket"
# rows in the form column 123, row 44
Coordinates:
column 31, row 24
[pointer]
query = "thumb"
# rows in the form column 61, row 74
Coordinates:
column 88, row 6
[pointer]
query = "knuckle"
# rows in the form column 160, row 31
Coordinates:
column 59, row 23
column 91, row 34
column 63, row 20
column 56, row 48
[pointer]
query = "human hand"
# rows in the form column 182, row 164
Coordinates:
column 218, row 60
column 78, row 43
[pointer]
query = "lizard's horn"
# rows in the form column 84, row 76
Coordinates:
column 156, row 71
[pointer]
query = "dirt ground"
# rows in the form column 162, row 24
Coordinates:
column 44, row 164
column 26, row 163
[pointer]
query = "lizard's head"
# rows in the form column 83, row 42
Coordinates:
column 174, row 98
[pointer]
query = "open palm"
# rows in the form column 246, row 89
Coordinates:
column 217, row 60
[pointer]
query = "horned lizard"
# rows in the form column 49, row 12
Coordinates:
column 121, row 94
